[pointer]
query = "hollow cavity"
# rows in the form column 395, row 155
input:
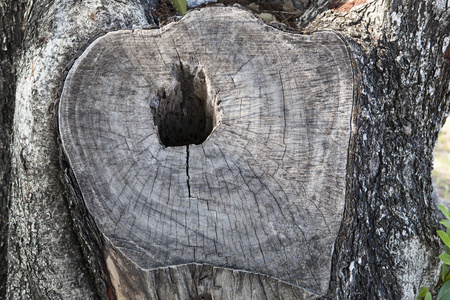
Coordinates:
column 185, row 113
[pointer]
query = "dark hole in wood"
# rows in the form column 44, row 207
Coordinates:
column 184, row 115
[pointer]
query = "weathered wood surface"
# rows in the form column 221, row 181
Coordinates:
column 263, row 193
column 194, row 281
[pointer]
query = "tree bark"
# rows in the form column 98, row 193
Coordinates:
column 44, row 257
column 386, row 247
column 10, row 39
column 388, row 233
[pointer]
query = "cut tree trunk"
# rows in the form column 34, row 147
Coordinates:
column 327, row 193
column 225, row 143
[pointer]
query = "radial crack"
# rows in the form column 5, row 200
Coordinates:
column 187, row 171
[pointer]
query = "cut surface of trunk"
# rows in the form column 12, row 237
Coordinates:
column 216, row 140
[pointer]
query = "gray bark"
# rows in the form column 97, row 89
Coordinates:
column 386, row 246
column 388, row 234
column 10, row 38
column 44, row 259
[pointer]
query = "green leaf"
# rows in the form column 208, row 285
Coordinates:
column 445, row 258
column 447, row 249
column 444, row 211
column 181, row 7
column 428, row 296
column 423, row 291
column 444, row 293
column 445, row 238
column 444, row 272
column 446, row 223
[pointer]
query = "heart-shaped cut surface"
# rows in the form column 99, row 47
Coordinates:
column 216, row 139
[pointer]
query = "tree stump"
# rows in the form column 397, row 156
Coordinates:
column 215, row 143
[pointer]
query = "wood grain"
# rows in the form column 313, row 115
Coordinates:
column 263, row 193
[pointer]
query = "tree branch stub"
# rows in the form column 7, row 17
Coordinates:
column 215, row 140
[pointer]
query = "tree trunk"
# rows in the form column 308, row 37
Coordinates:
column 44, row 256
column 383, row 245
column 388, row 233
column 10, row 38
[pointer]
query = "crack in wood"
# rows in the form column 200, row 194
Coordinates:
column 187, row 171
column 284, row 108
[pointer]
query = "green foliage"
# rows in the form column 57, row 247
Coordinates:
column 446, row 223
column 180, row 6
column 445, row 258
column 444, row 237
column 444, row 275
column 423, row 292
column 444, row 211
column 444, row 293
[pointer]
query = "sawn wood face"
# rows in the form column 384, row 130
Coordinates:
column 263, row 193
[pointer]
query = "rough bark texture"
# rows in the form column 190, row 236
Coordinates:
column 11, row 14
column 386, row 247
column 389, row 234
column 225, row 143
column 44, row 256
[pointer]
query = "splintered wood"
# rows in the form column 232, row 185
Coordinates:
column 215, row 140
